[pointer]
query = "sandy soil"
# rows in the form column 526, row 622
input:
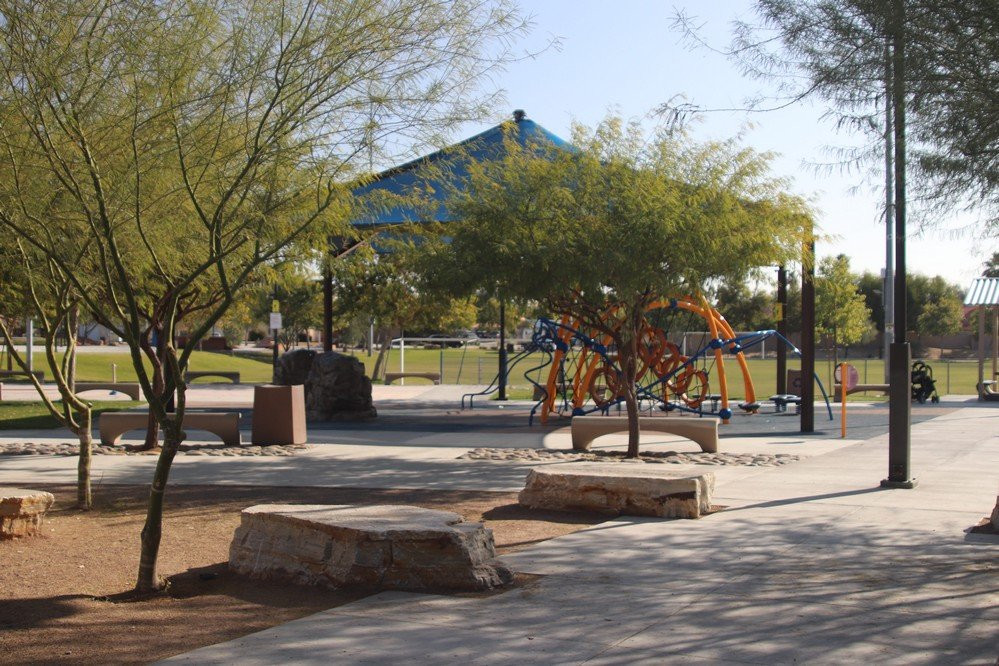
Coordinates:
column 58, row 601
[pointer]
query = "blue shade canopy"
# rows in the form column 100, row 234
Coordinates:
column 440, row 172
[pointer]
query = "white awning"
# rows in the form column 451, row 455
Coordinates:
column 983, row 291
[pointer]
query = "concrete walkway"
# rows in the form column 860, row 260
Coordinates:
column 811, row 562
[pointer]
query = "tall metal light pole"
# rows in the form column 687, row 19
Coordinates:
column 888, row 287
column 808, row 337
column 782, row 330
column 899, row 402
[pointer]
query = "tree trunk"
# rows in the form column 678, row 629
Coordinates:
column 628, row 355
column 152, row 433
column 382, row 358
column 152, row 531
column 84, row 498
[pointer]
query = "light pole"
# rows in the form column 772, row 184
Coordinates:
column 899, row 401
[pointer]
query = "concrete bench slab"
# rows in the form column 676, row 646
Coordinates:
column 22, row 510
column 387, row 547
column 131, row 389
column 703, row 431
column 224, row 424
column 620, row 489
column 231, row 376
column 390, row 377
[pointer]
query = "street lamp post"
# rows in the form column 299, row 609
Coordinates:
column 899, row 401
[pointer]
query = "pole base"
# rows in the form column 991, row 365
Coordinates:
column 908, row 484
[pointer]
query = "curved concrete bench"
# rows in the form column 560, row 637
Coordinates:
column 704, row 432
column 390, row 377
column 224, row 424
column 231, row 376
column 132, row 390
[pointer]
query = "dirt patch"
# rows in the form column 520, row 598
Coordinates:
column 57, row 589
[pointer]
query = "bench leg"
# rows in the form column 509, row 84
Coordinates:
column 110, row 438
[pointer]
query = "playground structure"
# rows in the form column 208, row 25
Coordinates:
column 580, row 373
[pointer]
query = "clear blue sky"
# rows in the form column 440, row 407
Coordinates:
column 624, row 57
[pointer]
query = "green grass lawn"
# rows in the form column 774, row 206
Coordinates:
column 479, row 366
column 97, row 367
column 34, row 415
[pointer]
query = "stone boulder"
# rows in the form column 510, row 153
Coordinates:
column 336, row 388
column 995, row 516
column 385, row 547
column 21, row 511
column 293, row 367
column 618, row 488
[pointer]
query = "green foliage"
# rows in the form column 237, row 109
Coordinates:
column 836, row 49
column 935, row 306
column 621, row 220
column 746, row 309
column 159, row 152
column 384, row 287
column 991, row 267
column 299, row 294
column 940, row 317
column 840, row 312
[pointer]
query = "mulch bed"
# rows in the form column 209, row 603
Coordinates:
column 64, row 594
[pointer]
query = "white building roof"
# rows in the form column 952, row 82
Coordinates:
column 983, row 291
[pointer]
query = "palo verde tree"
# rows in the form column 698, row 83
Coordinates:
column 43, row 292
column 613, row 225
column 191, row 142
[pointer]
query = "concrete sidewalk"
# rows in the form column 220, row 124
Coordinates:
column 811, row 562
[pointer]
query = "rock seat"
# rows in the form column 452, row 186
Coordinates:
column 387, row 547
column 21, row 511
column 618, row 488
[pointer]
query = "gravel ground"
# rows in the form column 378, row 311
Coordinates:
column 72, row 449
column 668, row 457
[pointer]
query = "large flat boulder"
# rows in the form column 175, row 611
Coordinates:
column 995, row 516
column 22, row 510
column 385, row 547
column 616, row 488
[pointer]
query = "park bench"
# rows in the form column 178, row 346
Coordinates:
column 859, row 388
column 704, row 432
column 390, row 377
column 39, row 375
column 231, row 376
column 224, row 424
column 782, row 400
column 131, row 389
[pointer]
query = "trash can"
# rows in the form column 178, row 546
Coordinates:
column 279, row 415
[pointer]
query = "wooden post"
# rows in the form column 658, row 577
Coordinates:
column 982, row 312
